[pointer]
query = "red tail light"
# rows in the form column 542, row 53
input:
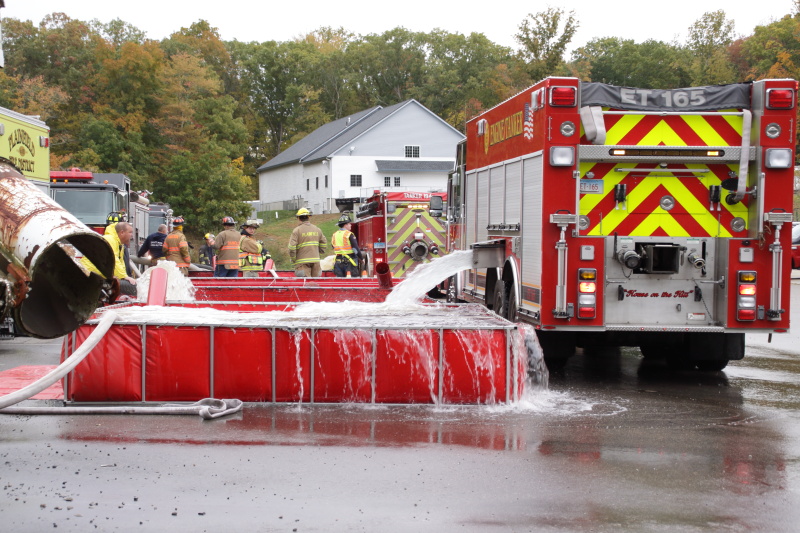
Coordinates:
column 780, row 99
column 563, row 97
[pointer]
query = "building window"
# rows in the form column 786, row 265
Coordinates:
column 355, row 180
column 397, row 181
column 317, row 180
column 387, row 181
column 326, row 181
column 308, row 184
column 412, row 151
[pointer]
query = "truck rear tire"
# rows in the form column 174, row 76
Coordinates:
column 500, row 298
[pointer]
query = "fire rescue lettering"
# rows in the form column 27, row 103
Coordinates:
column 633, row 293
column 21, row 137
column 504, row 129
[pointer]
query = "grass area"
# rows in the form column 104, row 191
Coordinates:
column 275, row 233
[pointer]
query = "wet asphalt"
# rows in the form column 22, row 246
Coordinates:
column 616, row 444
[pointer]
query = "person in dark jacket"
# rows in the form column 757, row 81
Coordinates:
column 154, row 245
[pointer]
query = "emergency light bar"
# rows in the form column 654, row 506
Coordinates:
column 71, row 174
column 655, row 152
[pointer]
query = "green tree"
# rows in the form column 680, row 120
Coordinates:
column 391, row 65
column 651, row 64
column 204, row 187
column 466, row 66
column 331, row 72
column 279, row 99
column 773, row 51
column 544, row 37
column 709, row 38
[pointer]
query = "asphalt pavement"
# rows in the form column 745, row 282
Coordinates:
column 617, row 444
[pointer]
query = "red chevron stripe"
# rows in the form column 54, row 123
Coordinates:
column 725, row 130
column 645, row 208
column 641, row 129
column 684, row 131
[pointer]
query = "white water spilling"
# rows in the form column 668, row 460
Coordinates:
column 426, row 276
column 179, row 287
column 400, row 311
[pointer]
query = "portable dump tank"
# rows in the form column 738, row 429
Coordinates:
column 312, row 353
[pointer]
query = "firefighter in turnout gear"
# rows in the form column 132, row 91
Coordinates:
column 306, row 245
column 176, row 249
column 345, row 246
column 250, row 258
column 227, row 246
column 206, row 254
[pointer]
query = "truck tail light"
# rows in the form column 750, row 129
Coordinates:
column 780, row 99
column 587, row 293
column 746, row 296
column 563, row 97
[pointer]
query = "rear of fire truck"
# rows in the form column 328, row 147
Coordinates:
column 402, row 229
column 632, row 217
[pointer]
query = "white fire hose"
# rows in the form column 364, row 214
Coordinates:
column 208, row 408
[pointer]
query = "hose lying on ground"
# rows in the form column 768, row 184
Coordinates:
column 208, row 408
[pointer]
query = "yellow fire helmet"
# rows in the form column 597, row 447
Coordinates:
column 303, row 212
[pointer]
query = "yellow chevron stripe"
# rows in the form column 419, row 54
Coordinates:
column 662, row 134
column 623, row 126
column 660, row 219
column 676, row 188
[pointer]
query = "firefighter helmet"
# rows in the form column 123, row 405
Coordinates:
column 178, row 221
column 208, row 236
column 115, row 217
column 303, row 212
column 252, row 224
column 344, row 219
column 228, row 221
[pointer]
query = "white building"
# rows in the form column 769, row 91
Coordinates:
column 404, row 147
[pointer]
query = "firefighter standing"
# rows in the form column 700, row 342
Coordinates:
column 306, row 245
column 227, row 246
column 250, row 258
column 345, row 246
column 206, row 254
column 176, row 249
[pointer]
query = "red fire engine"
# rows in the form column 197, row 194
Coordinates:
column 93, row 197
column 632, row 217
column 402, row 229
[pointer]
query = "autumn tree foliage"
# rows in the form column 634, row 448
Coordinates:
column 191, row 117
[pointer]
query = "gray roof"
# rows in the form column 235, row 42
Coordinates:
column 329, row 138
column 417, row 165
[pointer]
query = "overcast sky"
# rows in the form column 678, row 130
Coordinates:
column 497, row 19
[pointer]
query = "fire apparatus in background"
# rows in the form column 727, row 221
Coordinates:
column 631, row 217
column 25, row 141
column 92, row 197
column 402, row 229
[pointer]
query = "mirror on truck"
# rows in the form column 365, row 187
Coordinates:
column 437, row 205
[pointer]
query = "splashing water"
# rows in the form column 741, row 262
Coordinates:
column 402, row 309
column 179, row 287
column 427, row 276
